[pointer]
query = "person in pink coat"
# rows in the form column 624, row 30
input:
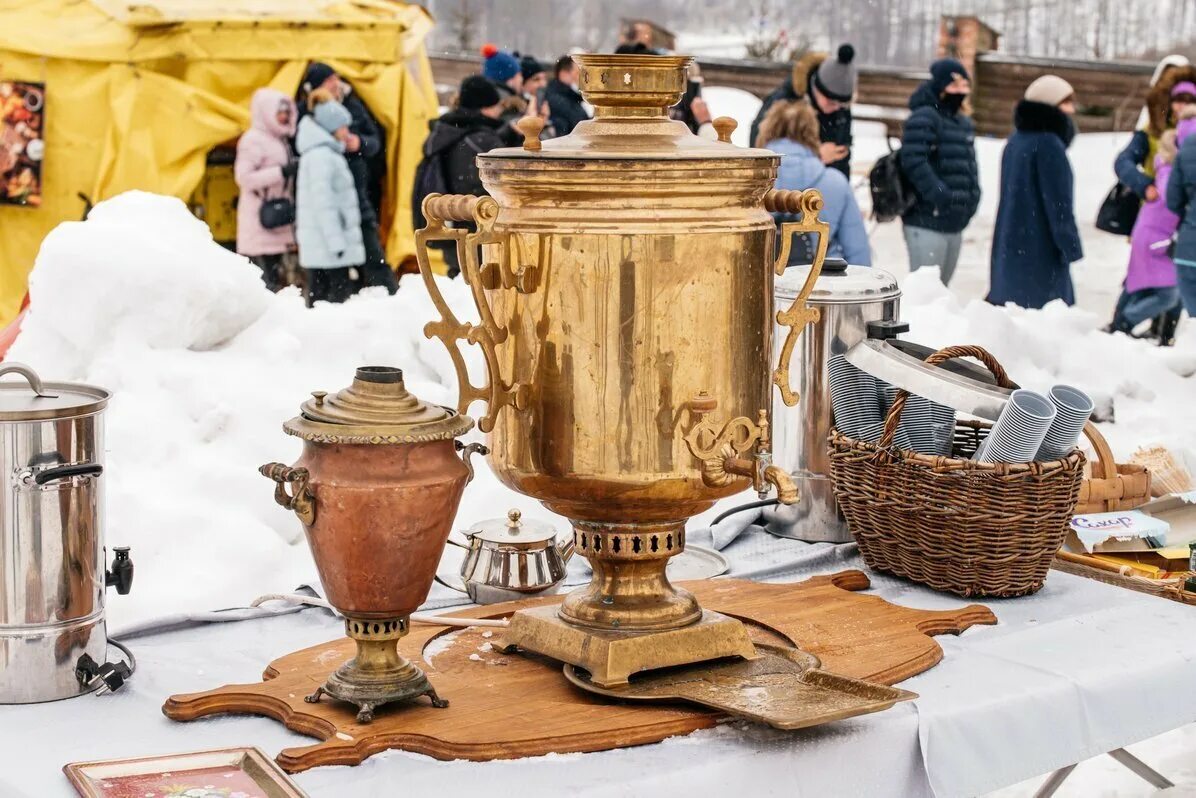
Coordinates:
column 265, row 169
column 1150, row 283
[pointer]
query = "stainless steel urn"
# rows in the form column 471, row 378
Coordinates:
column 53, row 641
column 847, row 299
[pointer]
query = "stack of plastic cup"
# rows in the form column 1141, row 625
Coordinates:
column 926, row 427
column 1020, row 429
column 854, row 400
column 1073, row 408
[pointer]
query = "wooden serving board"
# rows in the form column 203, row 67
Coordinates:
column 510, row 706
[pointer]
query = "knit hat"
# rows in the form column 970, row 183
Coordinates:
column 529, row 67
column 499, row 66
column 316, row 74
column 836, row 77
column 1183, row 87
column 942, row 73
column 1049, row 90
column 477, row 92
column 332, row 116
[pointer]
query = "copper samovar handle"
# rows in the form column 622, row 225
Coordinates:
column 808, row 203
column 482, row 211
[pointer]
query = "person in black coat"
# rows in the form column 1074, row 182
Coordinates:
column 938, row 157
column 455, row 140
column 1036, row 239
column 365, row 151
column 829, row 85
column 565, row 107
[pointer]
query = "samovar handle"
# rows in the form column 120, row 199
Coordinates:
column 808, row 203
column 482, row 211
column 300, row 500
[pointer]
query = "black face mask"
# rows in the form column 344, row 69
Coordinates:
column 952, row 102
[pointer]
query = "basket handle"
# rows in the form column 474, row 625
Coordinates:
column 1104, row 459
column 942, row 356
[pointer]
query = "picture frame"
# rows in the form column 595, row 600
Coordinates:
column 221, row 773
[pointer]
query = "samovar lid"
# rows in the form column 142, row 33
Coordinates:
column 377, row 408
column 631, row 95
column 838, row 284
column 513, row 530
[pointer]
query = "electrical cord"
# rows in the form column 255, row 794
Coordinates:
column 743, row 507
column 416, row 617
column 129, row 658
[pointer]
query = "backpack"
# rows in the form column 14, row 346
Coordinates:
column 430, row 178
column 892, row 194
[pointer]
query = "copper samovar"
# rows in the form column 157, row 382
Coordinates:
column 623, row 277
column 377, row 489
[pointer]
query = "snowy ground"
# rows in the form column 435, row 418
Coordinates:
column 205, row 365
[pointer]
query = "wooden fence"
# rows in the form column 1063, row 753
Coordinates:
column 1109, row 95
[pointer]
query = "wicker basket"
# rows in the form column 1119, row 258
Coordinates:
column 976, row 529
column 1113, row 486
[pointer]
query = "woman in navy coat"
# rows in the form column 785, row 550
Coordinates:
column 1036, row 239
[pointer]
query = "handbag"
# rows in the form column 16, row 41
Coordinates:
column 1119, row 211
column 277, row 211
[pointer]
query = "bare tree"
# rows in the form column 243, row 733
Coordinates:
column 463, row 22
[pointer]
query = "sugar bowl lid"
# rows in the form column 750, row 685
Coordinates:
column 838, row 283
column 512, row 530
column 377, row 408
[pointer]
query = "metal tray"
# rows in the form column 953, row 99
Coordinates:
column 945, row 386
column 783, row 688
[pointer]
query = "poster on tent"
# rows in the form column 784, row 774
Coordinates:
column 22, row 114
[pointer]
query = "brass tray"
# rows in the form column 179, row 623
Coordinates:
column 783, row 688
column 223, row 772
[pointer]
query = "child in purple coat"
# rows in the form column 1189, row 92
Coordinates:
column 1150, row 283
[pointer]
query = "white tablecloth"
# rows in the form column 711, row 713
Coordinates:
column 1076, row 670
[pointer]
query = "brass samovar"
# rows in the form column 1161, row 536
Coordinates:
column 623, row 277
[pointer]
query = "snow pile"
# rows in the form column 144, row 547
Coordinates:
column 174, row 289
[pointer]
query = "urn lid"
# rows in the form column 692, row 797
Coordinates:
column 512, row 530
column 30, row 399
column 838, row 284
column 377, row 408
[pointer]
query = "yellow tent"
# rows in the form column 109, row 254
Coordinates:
column 137, row 92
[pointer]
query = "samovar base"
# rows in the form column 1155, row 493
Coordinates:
column 379, row 674
column 611, row 657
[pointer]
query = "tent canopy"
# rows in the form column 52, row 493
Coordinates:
column 138, row 93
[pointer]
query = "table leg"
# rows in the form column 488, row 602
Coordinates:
column 1141, row 769
column 1054, row 782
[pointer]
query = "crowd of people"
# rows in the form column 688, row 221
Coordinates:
column 807, row 120
column 311, row 170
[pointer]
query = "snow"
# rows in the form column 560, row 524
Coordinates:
column 205, row 364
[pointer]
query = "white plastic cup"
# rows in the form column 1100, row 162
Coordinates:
column 1020, row 429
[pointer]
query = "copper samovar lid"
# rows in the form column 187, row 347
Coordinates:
column 377, row 409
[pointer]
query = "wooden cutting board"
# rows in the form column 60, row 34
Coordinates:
column 510, row 706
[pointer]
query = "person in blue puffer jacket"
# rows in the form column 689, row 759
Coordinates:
column 327, row 211
column 938, row 157
column 791, row 129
